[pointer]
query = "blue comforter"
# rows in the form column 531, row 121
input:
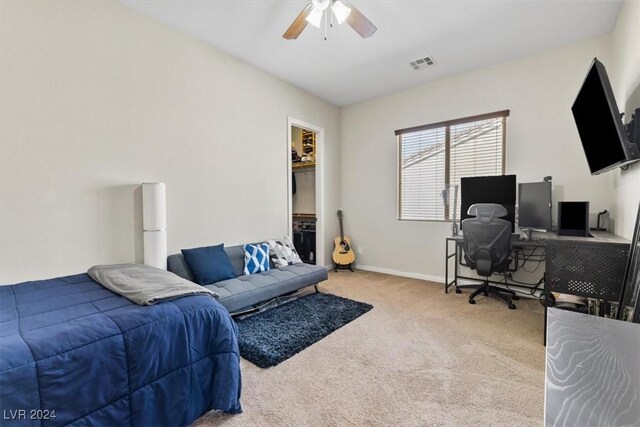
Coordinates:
column 73, row 352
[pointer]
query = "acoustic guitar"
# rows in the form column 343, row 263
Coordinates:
column 343, row 255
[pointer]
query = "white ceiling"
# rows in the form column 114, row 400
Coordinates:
column 460, row 35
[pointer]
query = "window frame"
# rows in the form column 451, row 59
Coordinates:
column 446, row 124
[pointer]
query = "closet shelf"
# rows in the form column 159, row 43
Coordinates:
column 299, row 166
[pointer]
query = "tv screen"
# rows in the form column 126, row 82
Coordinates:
column 599, row 123
column 534, row 205
column 499, row 189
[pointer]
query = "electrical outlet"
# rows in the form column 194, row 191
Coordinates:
column 359, row 250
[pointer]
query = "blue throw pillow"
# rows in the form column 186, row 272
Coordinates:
column 209, row 264
column 256, row 258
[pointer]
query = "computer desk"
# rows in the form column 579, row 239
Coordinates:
column 458, row 252
column 548, row 240
column 591, row 267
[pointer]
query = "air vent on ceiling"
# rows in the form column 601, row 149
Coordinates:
column 427, row 61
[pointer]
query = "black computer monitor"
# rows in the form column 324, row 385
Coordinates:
column 573, row 219
column 499, row 189
column 534, row 205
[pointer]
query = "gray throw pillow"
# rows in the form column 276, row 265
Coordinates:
column 283, row 253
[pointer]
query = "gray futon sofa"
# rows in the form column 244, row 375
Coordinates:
column 245, row 291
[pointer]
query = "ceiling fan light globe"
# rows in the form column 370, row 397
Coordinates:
column 340, row 11
column 315, row 17
column 321, row 5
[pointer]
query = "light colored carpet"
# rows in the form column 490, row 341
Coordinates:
column 419, row 358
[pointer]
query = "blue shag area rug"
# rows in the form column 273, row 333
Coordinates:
column 272, row 336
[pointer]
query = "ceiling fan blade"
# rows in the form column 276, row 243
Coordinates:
column 360, row 23
column 298, row 25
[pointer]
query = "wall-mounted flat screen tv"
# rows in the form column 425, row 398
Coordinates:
column 599, row 123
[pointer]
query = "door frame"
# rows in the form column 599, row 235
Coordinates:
column 319, row 171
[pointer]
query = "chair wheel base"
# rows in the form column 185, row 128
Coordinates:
column 458, row 291
column 515, row 297
column 512, row 306
column 472, row 301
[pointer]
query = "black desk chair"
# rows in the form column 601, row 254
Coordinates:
column 487, row 247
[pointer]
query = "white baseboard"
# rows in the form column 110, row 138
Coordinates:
column 420, row 276
column 409, row 274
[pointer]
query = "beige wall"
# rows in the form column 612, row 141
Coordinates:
column 296, row 138
column 96, row 98
column 541, row 140
column 624, row 74
column 304, row 201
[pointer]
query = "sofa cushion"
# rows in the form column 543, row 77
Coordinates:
column 244, row 291
column 282, row 252
column 177, row 265
column 208, row 264
column 256, row 258
column 236, row 256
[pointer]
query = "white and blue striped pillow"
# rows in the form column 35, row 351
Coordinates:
column 256, row 258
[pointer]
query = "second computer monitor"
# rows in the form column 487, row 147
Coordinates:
column 573, row 219
column 499, row 189
column 534, row 205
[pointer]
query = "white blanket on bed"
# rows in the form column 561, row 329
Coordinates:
column 143, row 284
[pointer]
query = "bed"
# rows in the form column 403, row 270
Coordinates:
column 73, row 352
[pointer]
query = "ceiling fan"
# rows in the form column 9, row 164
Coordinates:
column 315, row 11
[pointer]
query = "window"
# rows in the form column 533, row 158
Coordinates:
column 434, row 157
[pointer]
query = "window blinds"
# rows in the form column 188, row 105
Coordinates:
column 422, row 174
column 432, row 156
